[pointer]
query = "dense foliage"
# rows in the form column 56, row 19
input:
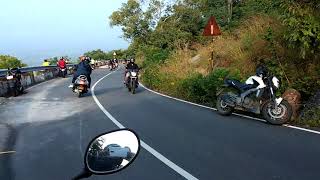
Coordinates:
column 101, row 55
column 10, row 62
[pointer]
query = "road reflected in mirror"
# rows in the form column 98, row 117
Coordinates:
column 112, row 152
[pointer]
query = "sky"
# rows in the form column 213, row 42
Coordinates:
column 36, row 29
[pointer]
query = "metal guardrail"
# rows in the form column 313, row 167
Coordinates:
column 34, row 75
column 3, row 72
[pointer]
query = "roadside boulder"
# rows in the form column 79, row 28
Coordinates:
column 294, row 99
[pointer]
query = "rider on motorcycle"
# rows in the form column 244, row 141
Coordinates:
column 83, row 68
column 130, row 66
column 62, row 63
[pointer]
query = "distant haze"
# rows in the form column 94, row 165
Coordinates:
column 36, row 29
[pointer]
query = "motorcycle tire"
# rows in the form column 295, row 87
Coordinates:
column 15, row 92
column 279, row 116
column 133, row 90
column 222, row 107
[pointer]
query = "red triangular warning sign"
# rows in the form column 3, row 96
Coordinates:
column 212, row 28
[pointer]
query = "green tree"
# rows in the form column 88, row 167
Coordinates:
column 134, row 22
column 7, row 61
column 303, row 26
column 53, row 60
column 96, row 146
column 96, row 54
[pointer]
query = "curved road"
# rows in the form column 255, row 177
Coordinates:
column 50, row 128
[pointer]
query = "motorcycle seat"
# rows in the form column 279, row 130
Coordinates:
column 238, row 85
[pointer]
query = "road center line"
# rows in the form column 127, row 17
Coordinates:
column 155, row 153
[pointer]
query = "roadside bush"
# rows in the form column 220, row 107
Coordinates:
column 310, row 118
column 154, row 55
column 203, row 89
column 193, row 88
column 151, row 77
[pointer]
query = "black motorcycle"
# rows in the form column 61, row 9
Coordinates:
column 112, row 65
column 14, row 76
column 257, row 95
column 132, row 80
column 63, row 72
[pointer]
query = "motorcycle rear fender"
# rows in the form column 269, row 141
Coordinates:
column 279, row 100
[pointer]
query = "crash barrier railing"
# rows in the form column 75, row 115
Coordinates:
column 32, row 76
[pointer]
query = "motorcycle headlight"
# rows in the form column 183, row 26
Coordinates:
column 133, row 74
column 275, row 82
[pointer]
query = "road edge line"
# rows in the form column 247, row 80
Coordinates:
column 240, row 115
column 7, row 152
column 148, row 148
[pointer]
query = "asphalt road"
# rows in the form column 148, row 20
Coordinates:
column 50, row 128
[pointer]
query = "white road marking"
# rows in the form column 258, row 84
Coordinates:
column 7, row 152
column 240, row 115
column 155, row 153
column 80, row 137
column 303, row 129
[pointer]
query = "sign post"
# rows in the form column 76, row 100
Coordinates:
column 212, row 29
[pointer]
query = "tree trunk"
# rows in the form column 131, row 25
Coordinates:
column 230, row 6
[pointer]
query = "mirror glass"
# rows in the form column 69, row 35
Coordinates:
column 112, row 151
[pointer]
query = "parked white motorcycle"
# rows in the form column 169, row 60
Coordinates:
column 257, row 95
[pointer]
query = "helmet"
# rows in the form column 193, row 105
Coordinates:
column 261, row 71
column 132, row 60
column 82, row 58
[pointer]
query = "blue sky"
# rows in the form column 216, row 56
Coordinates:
column 35, row 29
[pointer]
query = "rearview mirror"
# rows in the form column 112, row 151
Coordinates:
column 111, row 152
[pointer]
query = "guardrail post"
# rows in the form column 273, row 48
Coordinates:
column 33, row 81
column 3, row 90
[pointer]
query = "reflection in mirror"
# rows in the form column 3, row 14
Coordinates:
column 111, row 152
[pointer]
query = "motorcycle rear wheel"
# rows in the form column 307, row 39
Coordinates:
column 279, row 115
column 222, row 107
column 133, row 90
